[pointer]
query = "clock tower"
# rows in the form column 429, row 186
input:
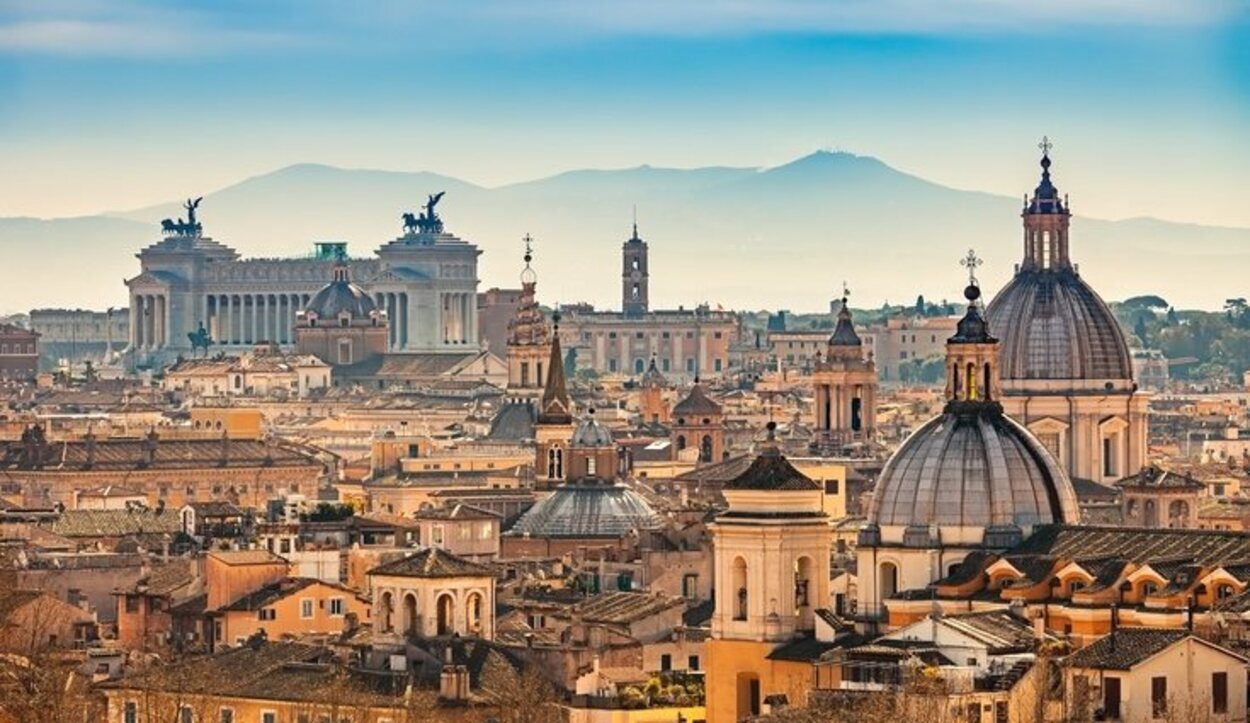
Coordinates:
column 634, row 276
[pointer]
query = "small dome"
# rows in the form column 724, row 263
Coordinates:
column 1054, row 326
column 590, row 433
column 972, row 467
column 844, row 332
column 341, row 295
column 587, row 509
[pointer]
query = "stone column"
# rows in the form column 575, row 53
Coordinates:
column 136, row 322
column 403, row 320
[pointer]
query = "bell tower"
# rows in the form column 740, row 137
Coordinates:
column 634, row 276
column 771, row 552
column 846, row 387
column 529, row 342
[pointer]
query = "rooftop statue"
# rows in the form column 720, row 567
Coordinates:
column 427, row 221
column 190, row 227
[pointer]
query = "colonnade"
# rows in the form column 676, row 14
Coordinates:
column 253, row 318
column 149, row 321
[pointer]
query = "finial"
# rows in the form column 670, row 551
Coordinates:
column 555, row 318
column 846, row 292
column 1045, row 145
column 529, row 248
column 635, row 236
column 971, row 262
column 772, row 430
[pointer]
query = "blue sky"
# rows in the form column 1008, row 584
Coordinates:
column 118, row 104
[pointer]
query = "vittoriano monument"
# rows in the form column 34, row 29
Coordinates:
column 190, row 227
column 428, row 221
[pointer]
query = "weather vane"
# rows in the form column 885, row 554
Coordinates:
column 529, row 248
column 846, row 292
column 1045, row 145
column 971, row 262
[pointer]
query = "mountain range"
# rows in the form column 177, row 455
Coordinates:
column 780, row 237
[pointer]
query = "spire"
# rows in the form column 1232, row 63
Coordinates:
column 1046, row 197
column 556, row 407
column 528, row 277
column 844, row 332
column 972, row 329
column 634, row 237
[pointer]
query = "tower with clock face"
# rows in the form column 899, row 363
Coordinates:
column 634, row 276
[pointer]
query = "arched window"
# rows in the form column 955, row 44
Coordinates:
column 740, row 588
column 410, row 614
column 887, row 580
column 1152, row 514
column 1178, row 513
column 705, row 449
column 473, row 612
column 681, row 442
column 955, row 385
column 446, row 614
column 388, row 605
column 985, row 385
column 555, row 463
column 638, row 366
column 802, row 578
column 973, row 394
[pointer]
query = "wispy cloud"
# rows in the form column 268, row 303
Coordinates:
column 126, row 28
column 195, row 27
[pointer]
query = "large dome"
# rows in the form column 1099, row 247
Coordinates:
column 591, row 508
column 341, row 295
column 972, row 467
column 1053, row 326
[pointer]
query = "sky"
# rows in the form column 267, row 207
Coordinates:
column 119, row 104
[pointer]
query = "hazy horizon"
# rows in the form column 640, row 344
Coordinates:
column 124, row 104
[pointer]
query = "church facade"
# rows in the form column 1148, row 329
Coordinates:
column 425, row 281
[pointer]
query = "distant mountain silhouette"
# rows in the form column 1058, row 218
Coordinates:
column 742, row 237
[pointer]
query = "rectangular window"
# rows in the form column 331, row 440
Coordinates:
column 693, row 662
column 1219, row 692
column 611, row 365
column 1000, row 712
column 1159, row 696
column 268, row 614
column 666, row 663
column 437, row 536
column 227, row 715
column 336, row 606
column 716, row 365
column 130, row 712
column 1108, row 457
column 269, row 716
column 186, row 715
column 689, row 364
column 665, row 364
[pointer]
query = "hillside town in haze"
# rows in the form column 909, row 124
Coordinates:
column 356, row 486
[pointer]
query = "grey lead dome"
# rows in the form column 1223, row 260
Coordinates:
column 1052, row 325
column 972, row 470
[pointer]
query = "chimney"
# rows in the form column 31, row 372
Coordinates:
column 453, row 682
column 149, row 448
column 90, row 440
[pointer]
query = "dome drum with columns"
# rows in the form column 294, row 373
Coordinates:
column 1067, row 373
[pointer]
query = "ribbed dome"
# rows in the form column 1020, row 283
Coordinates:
column 592, row 508
column 341, row 295
column 972, row 467
column 1053, row 326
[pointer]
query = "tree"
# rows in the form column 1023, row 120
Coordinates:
column 1143, row 334
column 921, row 307
column 1171, row 317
